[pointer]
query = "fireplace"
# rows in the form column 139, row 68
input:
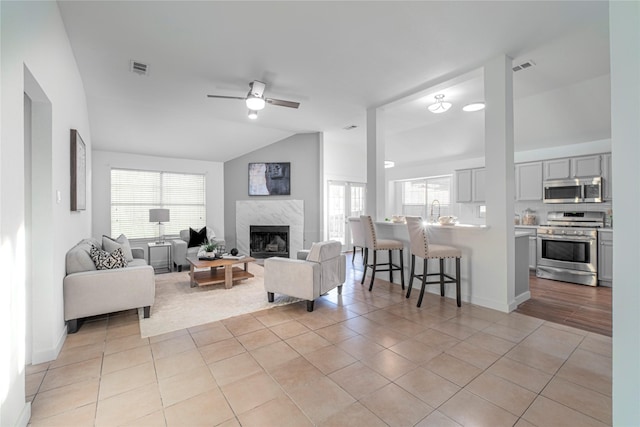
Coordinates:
column 267, row 241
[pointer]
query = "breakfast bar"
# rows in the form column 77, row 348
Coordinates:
column 477, row 282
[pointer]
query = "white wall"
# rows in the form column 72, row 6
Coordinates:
column 34, row 38
column 624, row 20
column 104, row 161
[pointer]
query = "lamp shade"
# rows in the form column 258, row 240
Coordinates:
column 158, row 215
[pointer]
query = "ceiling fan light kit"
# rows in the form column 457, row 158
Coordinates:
column 439, row 106
column 255, row 103
column 475, row 106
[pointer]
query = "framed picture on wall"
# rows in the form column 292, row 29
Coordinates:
column 78, row 172
column 270, row 179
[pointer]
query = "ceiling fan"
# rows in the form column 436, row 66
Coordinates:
column 256, row 101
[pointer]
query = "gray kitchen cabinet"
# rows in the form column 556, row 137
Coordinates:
column 529, row 181
column 463, row 186
column 605, row 257
column 470, row 185
column 557, row 169
column 606, row 176
column 478, row 184
column 533, row 245
column 574, row 167
column 586, row 166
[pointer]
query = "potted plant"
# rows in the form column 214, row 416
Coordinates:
column 210, row 249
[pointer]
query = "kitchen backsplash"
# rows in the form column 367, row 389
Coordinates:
column 467, row 213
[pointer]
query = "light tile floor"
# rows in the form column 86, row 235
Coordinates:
column 360, row 359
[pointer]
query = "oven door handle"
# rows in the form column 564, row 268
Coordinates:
column 567, row 238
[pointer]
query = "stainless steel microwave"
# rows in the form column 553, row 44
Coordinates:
column 580, row 190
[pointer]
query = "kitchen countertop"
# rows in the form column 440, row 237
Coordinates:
column 437, row 225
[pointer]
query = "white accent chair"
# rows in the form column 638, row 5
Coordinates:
column 323, row 270
column 420, row 247
column 180, row 249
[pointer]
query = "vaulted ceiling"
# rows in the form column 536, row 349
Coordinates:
column 337, row 59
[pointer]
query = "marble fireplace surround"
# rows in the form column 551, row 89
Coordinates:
column 270, row 212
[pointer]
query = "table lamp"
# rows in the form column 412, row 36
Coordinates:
column 159, row 216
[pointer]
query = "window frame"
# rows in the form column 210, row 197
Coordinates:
column 138, row 226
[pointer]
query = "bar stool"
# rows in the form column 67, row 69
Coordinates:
column 376, row 245
column 357, row 236
column 420, row 247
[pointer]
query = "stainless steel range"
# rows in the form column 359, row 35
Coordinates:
column 567, row 247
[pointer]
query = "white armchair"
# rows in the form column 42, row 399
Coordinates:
column 323, row 270
column 180, row 247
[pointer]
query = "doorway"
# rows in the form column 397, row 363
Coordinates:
column 38, row 212
column 346, row 199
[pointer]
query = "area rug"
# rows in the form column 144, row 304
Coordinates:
column 178, row 306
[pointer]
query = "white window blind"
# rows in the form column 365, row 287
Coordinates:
column 418, row 196
column 134, row 192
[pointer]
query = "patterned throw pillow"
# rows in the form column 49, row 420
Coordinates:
column 108, row 261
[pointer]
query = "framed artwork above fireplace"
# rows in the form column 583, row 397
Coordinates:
column 270, row 179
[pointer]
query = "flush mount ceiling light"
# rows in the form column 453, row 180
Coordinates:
column 389, row 164
column 475, row 106
column 440, row 106
column 253, row 114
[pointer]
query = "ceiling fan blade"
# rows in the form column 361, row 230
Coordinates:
column 226, row 97
column 282, row 103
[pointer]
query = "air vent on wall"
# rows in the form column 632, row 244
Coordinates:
column 524, row 65
column 139, row 68
column 349, row 127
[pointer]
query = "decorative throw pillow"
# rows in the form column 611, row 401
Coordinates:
column 109, row 244
column 108, row 261
column 197, row 238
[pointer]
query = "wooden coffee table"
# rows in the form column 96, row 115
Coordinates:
column 218, row 271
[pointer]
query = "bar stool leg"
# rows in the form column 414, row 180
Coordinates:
column 391, row 266
column 364, row 273
column 413, row 266
column 458, row 282
column 353, row 257
column 424, row 282
column 373, row 268
column 402, row 269
column 441, row 277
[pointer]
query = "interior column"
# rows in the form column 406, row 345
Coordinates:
column 376, row 194
column 500, row 194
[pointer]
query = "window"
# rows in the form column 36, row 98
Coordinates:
column 421, row 197
column 134, row 192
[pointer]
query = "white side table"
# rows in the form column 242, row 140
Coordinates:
column 169, row 261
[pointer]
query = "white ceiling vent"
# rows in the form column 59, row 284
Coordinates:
column 139, row 68
column 524, row 65
column 349, row 127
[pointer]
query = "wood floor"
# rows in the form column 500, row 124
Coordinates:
column 584, row 307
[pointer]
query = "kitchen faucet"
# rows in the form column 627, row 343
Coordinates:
column 433, row 219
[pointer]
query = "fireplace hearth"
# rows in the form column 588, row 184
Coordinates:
column 266, row 241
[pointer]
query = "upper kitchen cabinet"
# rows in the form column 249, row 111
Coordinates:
column 470, row 185
column 557, row 169
column 606, row 176
column 463, row 186
column 586, row 166
column 575, row 167
column 477, row 184
column 529, row 181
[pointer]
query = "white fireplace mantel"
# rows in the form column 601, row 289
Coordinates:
column 270, row 212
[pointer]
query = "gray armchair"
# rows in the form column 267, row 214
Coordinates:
column 180, row 248
column 323, row 270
